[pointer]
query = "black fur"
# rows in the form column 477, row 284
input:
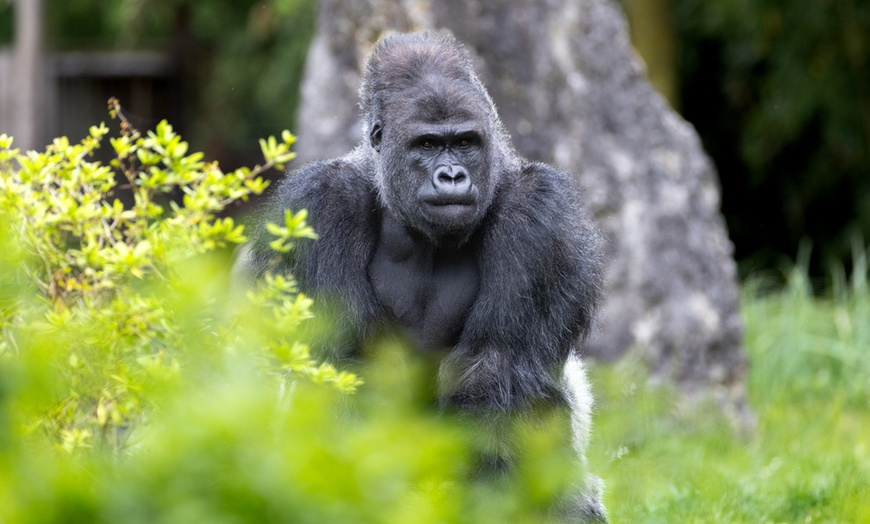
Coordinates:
column 434, row 224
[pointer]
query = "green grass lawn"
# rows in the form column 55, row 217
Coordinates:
column 807, row 458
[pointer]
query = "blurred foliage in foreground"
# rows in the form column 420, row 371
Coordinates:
column 137, row 385
column 225, row 446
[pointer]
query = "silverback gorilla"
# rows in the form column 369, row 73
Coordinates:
column 434, row 225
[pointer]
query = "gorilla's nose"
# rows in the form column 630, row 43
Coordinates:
column 451, row 180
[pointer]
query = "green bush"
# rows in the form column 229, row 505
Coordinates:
column 115, row 304
column 138, row 384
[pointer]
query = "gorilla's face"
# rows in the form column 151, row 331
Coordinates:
column 435, row 169
column 447, row 160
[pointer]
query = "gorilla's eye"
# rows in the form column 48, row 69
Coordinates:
column 464, row 143
column 428, row 144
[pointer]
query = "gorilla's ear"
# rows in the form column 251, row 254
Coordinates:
column 376, row 135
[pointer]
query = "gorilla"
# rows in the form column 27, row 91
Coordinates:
column 435, row 226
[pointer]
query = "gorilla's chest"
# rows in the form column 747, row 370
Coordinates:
column 429, row 291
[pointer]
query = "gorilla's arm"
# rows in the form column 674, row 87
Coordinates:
column 342, row 210
column 540, row 269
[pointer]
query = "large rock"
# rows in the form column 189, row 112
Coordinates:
column 572, row 92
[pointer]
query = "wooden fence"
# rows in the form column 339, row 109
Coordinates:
column 77, row 85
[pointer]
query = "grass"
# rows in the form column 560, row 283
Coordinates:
column 806, row 460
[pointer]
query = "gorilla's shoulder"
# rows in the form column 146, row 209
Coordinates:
column 542, row 191
column 330, row 188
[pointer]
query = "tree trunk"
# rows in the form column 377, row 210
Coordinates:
column 28, row 92
column 570, row 90
column 652, row 33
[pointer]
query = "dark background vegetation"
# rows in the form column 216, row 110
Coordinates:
column 778, row 89
column 780, row 92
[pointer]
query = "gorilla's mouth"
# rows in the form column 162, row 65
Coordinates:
column 439, row 199
column 451, row 210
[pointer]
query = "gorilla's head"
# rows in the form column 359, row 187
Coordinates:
column 437, row 140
